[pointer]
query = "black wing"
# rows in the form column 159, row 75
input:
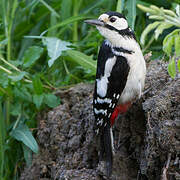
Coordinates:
column 116, row 83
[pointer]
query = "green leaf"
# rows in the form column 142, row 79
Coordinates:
column 131, row 16
column 16, row 109
column 23, row 94
column 38, row 99
column 37, row 85
column 177, row 44
column 172, row 68
column 51, row 100
column 149, row 28
column 120, row 6
column 55, row 47
column 22, row 133
column 178, row 64
column 27, row 155
column 31, row 55
column 4, row 80
column 17, row 76
column 168, row 44
column 169, row 41
column 161, row 28
column 66, row 11
column 82, row 59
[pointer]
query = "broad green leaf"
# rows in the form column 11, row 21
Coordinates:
column 168, row 44
column 16, row 109
column 31, row 55
column 23, row 94
column 38, row 99
column 27, row 155
column 22, row 133
column 66, row 7
column 177, row 44
column 17, row 76
column 161, row 28
column 82, row 59
column 51, row 100
column 37, row 85
column 3, row 80
column 131, row 16
column 149, row 28
column 172, row 68
column 178, row 64
column 55, row 47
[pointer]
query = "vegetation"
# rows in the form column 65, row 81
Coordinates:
column 44, row 46
column 165, row 19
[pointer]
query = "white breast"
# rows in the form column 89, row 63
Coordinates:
column 136, row 76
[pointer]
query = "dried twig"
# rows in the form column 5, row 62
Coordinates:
column 164, row 174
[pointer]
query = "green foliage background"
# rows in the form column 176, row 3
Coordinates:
column 44, row 46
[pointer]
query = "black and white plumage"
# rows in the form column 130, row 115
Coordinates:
column 119, row 79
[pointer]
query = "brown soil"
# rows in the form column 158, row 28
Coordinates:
column 147, row 137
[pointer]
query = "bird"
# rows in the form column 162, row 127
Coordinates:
column 120, row 78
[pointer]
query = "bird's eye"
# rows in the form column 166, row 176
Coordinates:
column 112, row 19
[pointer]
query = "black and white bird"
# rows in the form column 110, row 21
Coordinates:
column 120, row 77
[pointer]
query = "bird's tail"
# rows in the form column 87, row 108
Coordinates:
column 106, row 148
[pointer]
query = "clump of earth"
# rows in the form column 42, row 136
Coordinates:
column 146, row 138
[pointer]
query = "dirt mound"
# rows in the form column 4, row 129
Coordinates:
column 147, row 137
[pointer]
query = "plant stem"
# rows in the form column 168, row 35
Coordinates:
column 77, row 4
column 67, row 71
column 2, row 134
column 149, row 43
column 9, row 64
column 6, row 70
column 7, row 104
column 11, row 19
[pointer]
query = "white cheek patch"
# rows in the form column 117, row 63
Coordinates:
column 119, row 24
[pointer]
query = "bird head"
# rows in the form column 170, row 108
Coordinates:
column 112, row 25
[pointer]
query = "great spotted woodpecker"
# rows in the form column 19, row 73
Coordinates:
column 120, row 77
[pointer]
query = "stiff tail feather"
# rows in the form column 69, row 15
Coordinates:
column 106, row 149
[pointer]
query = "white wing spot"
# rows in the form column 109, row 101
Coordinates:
column 110, row 105
column 109, row 115
column 114, row 95
column 118, row 96
column 98, row 111
column 105, row 124
column 113, row 105
column 97, row 131
column 105, row 112
column 101, row 101
column 99, row 122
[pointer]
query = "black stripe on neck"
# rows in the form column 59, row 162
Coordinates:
column 125, row 32
column 120, row 49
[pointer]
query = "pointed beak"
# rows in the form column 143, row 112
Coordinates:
column 95, row 22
